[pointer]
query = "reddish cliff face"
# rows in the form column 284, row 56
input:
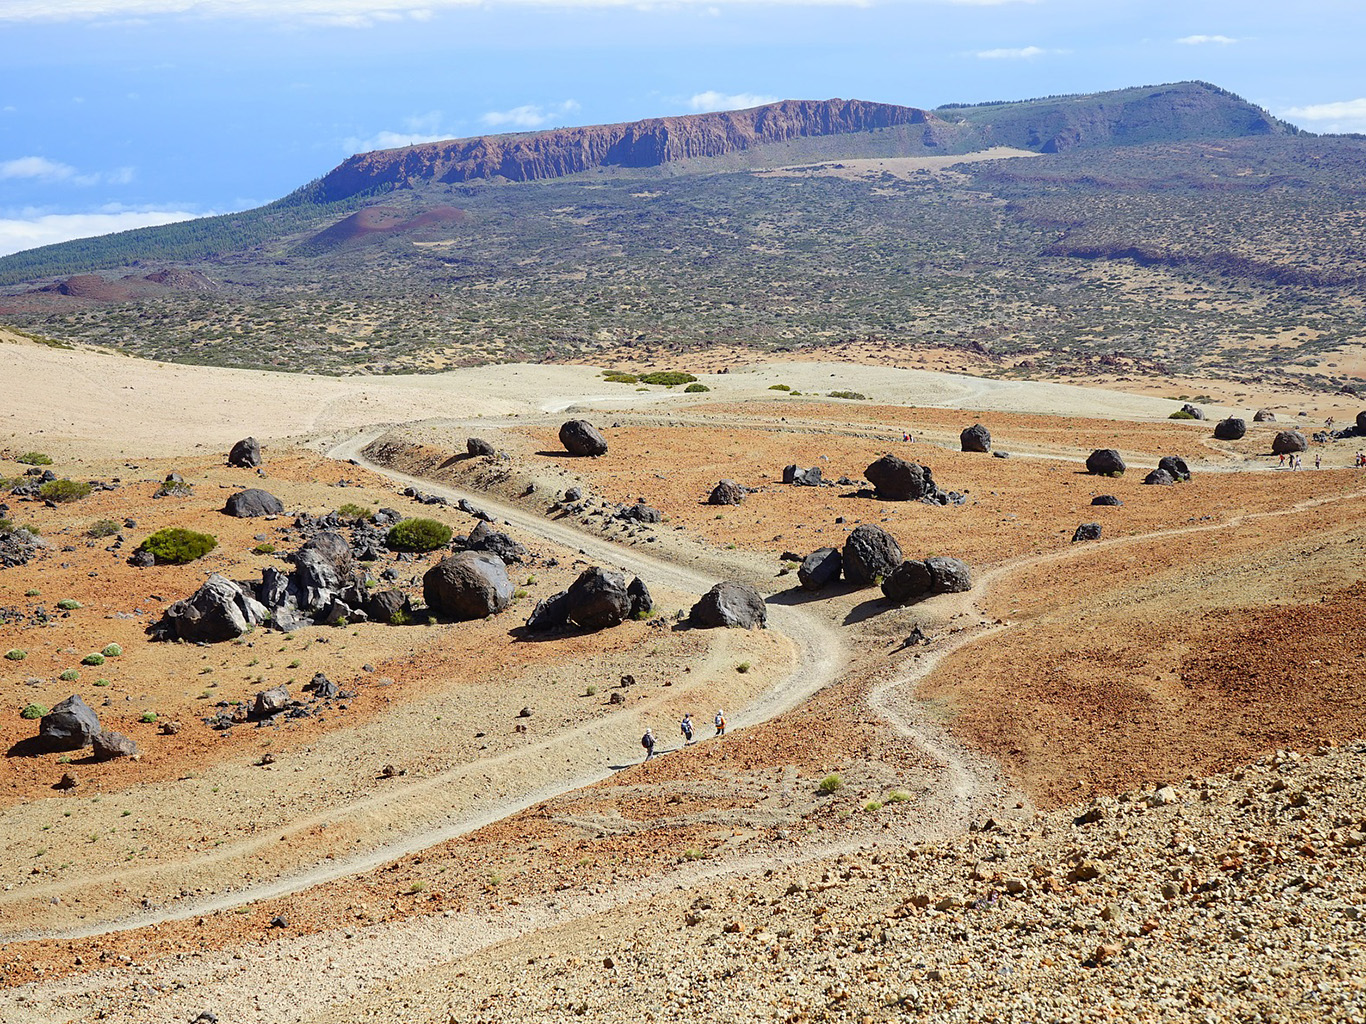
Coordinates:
column 554, row 154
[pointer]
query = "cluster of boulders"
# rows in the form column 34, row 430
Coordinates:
column 17, row 547
column 598, row 599
column 1171, row 469
column 638, row 513
column 798, row 477
column 914, row 580
column 73, row 725
column 895, row 479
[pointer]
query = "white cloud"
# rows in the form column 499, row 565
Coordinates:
column 417, row 129
column 1341, row 116
column 713, row 100
column 17, row 234
column 529, row 115
column 1007, row 53
column 39, row 167
column 1202, row 40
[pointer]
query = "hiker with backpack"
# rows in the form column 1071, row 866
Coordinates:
column 685, row 727
column 720, row 721
column 648, row 742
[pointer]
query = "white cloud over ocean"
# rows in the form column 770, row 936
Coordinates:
column 713, row 100
column 528, row 116
column 29, row 232
column 1338, row 116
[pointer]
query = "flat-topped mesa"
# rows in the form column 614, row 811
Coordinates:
column 649, row 143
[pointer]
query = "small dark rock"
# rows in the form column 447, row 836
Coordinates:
column 1086, row 531
column 1106, row 499
column 727, row 492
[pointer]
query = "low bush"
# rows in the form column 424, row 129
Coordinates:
column 620, row 378
column 112, row 650
column 353, row 511
column 831, row 783
column 779, row 387
column 175, row 545
column 14, row 654
column 93, row 659
column 34, row 459
column 872, row 805
column 64, row 490
column 898, row 796
column 68, row 604
column 743, row 667
column 69, row 676
column 1180, row 414
column 147, row 717
column 102, row 528
column 668, row 378
column 694, row 389
column 418, row 535
column 856, row 395
column 34, row 711
column 263, row 549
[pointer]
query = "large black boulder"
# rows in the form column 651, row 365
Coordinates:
column 1176, row 466
column 870, row 554
column 909, row 581
column 580, row 437
column 1267, row 416
column 1361, row 422
column 1086, row 531
column 1193, row 411
column 219, row 610
column 253, row 502
column 1230, row 429
column 109, row 745
column 1288, row 441
column 245, row 453
column 642, row 604
column 1160, row 477
column 71, row 725
column 598, row 599
column 550, row 613
column 975, row 438
column 948, row 575
column 898, row 480
column 730, row 604
column 333, row 548
column 477, row 446
column 1105, row 462
column 820, row 568
column 727, row 492
column 467, row 585
column 388, row 606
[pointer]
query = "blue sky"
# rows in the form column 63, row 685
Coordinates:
column 117, row 113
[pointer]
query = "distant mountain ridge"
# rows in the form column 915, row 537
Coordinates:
column 649, row 143
column 1052, row 125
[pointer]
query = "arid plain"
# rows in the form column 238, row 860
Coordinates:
column 1116, row 777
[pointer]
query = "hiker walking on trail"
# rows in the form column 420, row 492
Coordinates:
column 648, row 742
column 720, row 721
column 686, row 727
column 1318, row 460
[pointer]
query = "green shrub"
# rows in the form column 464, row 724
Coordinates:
column 831, row 783
column 102, row 528
column 668, row 378
column 620, row 378
column 353, row 511
column 793, row 394
column 856, row 395
column 147, row 717
column 872, row 805
column 101, row 682
column 263, row 549
column 175, row 545
column 898, row 796
column 1180, row 414
column 32, row 592
column 93, row 659
column 69, row 676
column 779, row 387
column 173, row 489
column 418, row 535
column 34, row 459
column 14, row 654
column 5, row 525
column 68, row 604
column 64, row 490
column 743, row 667
column 590, row 691
column 694, row 389
column 34, row 711
column 112, row 650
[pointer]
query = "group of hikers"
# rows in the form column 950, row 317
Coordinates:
column 686, row 728
column 1297, row 461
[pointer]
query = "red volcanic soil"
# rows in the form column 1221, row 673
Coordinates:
column 385, row 221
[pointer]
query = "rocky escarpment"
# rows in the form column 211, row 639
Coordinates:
column 649, row 143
